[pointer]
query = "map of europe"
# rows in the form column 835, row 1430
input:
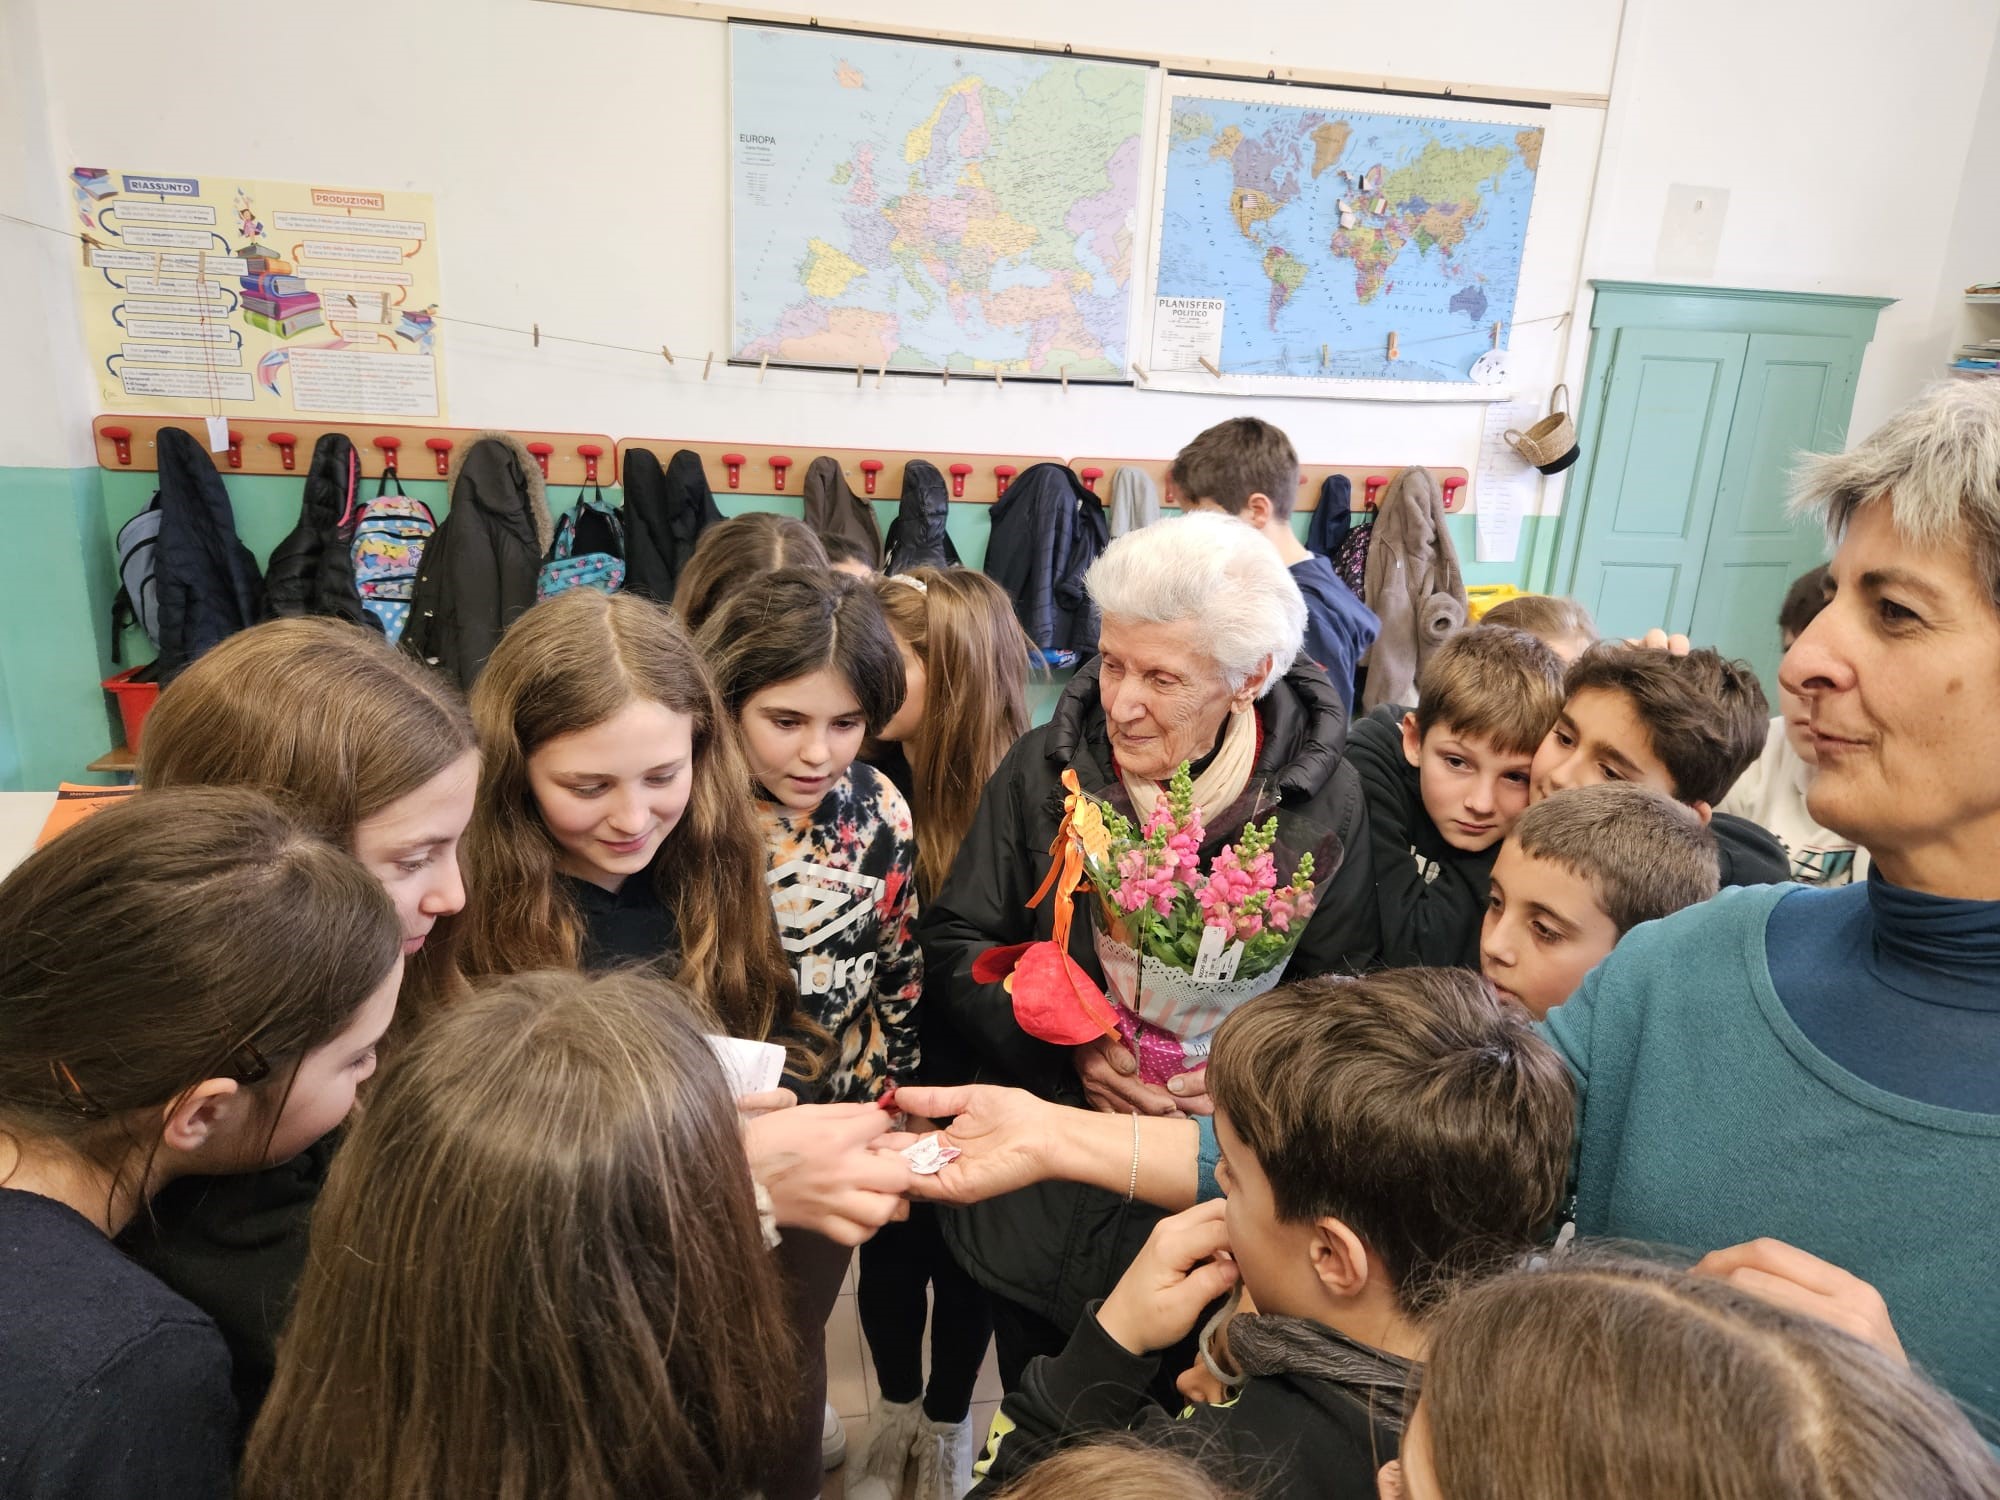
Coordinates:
column 923, row 206
column 1330, row 229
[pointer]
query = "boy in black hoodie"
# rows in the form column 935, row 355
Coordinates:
column 1445, row 782
column 1688, row 725
column 1379, row 1136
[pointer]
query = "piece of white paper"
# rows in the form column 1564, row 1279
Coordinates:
column 930, row 1155
column 1187, row 330
column 1505, row 486
column 748, row 1067
column 218, row 434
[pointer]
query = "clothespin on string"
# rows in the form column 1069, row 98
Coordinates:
column 857, row 377
column 881, row 374
column 1209, row 367
column 666, row 354
column 1065, row 379
column 538, row 334
column 708, row 364
column 763, row 365
column 1394, row 352
column 1140, row 371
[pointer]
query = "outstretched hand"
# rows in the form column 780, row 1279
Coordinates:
column 1002, row 1135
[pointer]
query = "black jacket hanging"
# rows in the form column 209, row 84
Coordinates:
column 479, row 567
column 666, row 512
column 311, row 571
column 1047, row 531
column 833, row 509
column 207, row 580
column 917, row 537
column 1328, row 527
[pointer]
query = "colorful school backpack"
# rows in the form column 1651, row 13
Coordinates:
column 389, row 541
column 588, row 551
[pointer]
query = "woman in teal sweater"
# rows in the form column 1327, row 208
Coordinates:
column 1805, row 1084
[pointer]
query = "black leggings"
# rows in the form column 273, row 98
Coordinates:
column 812, row 1269
column 896, row 1266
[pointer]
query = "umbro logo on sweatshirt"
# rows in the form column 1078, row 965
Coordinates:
column 815, row 904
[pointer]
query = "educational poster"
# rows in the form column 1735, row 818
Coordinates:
column 917, row 206
column 1309, row 244
column 258, row 299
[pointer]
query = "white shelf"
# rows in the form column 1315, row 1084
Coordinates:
column 1986, row 297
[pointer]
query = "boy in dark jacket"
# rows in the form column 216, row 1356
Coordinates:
column 1249, row 469
column 1317, row 1085
column 1445, row 782
column 1687, row 725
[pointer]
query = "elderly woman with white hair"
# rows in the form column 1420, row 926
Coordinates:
column 1801, row 1084
column 1198, row 662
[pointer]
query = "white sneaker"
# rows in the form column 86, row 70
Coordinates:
column 944, row 1460
column 895, row 1431
column 832, row 1439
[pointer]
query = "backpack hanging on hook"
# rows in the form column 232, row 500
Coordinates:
column 589, row 549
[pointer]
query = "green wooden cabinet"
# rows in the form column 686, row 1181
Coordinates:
column 1697, row 402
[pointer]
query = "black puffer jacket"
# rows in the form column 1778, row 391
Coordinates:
column 666, row 511
column 917, row 537
column 1047, row 531
column 479, row 567
column 311, row 571
column 1055, row 1246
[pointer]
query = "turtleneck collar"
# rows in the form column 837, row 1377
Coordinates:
column 1940, row 950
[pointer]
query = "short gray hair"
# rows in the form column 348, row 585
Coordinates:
column 1937, row 461
column 1211, row 568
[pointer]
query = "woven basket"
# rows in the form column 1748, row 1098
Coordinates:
column 1550, row 445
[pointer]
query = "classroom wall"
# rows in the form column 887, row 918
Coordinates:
column 1972, row 250
column 543, row 131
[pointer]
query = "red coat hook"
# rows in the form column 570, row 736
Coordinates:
column 733, row 462
column 779, row 463
column 388, row 445
column 1003, row 475
column 441, row 451
column 121, row 438
column 591, row 453
column 1090, row 477
column 541, row 451
column 958, row 473
column 1451, row 488
column 287, row 445
column 870, row 468
column 235, row 449
column 1372, row 486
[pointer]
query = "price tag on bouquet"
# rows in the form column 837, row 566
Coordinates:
column 1217, row 958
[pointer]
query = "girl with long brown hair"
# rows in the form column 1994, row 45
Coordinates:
column 375, row 754
column 614, row 826
column 965, row 666
column 191, row 982
column 1602, row 1376
column 537, row 1270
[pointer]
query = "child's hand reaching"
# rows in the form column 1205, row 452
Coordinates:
column 1182, row 1268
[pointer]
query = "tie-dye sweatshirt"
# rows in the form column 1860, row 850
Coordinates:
column 843, row 886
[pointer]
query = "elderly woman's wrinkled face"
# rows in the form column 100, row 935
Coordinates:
column 1164, row 696
column 1901, row 677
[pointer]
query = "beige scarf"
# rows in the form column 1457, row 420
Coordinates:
column 1218, row 786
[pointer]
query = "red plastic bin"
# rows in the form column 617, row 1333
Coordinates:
column 135, row 701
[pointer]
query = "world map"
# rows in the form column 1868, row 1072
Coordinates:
column 920, row 207
column 1323, row 231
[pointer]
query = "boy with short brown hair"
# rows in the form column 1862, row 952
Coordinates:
column 1446, row 780
column 1578, row 872
column 1317, row 1085
column 1687, row 725
column 1248, row 469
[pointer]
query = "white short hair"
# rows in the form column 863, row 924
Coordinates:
column 1937, row 463
column 1214, row 569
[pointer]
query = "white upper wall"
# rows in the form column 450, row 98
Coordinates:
column 1841, row 130
column 578, row 158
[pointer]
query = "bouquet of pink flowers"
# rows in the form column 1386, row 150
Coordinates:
column 1181, row 947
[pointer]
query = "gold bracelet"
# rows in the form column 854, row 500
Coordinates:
column 1132, row 1188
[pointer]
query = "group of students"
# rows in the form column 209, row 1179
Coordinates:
column 553, row 1255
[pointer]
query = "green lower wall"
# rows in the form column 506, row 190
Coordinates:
column 58, row 578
